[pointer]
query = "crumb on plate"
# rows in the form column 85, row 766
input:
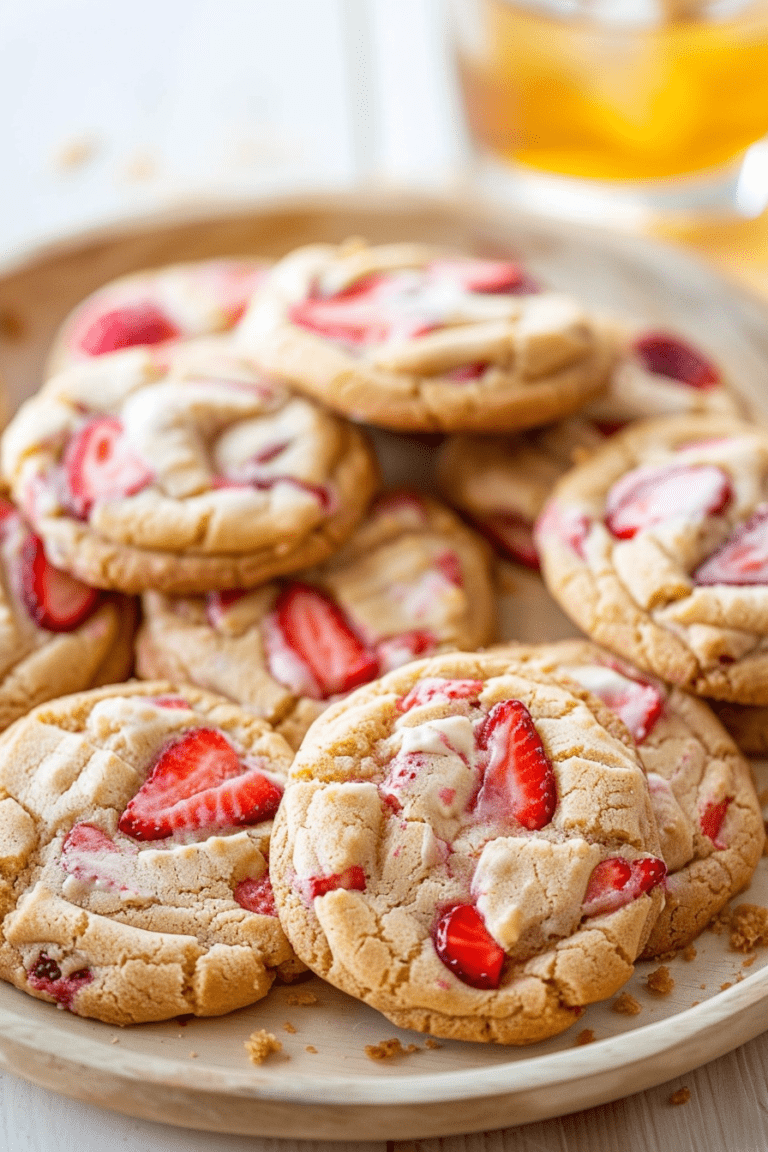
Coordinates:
column 682, row 1096
column 388, row 1049
column 748, row 927
column 260, row 1045
column 660, row 981
column 626, row 1005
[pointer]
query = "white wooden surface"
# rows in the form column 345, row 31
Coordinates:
column 110, row 110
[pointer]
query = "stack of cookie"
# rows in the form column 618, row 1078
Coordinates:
column 323, row 764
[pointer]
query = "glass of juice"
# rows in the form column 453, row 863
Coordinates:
column 618, row 109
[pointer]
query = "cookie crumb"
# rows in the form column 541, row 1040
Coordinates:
column 303, row 998
column 586, row 1036
column 720, row 922
column 727, row 984
column 689, row 952
column 430, row 1043
column 311, row 1048
column 672, row 955
column 11, row 326
column 261, row 1044
column 660, row 981
column 140, row 167
column 388, row 1049
column 193, row 1055
column 682, row 1096
column 626, row 1005
column 694, row 1003
column 748, row 927
column 288, row 1027
column 748, row 962
column 76, row 153
column 115, row 1040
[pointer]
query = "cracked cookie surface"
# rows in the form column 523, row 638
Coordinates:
column 410, row 581
column 416, row 339
column 468, row 846
column 184, row 470
column 134, row 832
column 656, row 547
column 157, row 305
column 702, row 793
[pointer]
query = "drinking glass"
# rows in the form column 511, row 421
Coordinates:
column 618, row 109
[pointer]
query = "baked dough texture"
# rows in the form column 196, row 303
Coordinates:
column 702, row 792
column 416, row 339
column 105, row 924
column 410, row 581
column 653, row 545
column 173, row 302
column 221, row 478
column 390, row 823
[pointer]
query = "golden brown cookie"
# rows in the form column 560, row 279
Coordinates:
column 412, row 338
column 468, row 846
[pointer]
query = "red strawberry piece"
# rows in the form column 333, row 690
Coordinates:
column 352, row 879
column 610, row 427
column 518, row 781
column 256, row 895
column 465, row 945
column 513, row 535
column 433, row 690
column 55, row 600
column 199, row 782
column 467, row 371
column 171, row 702
column 45, row 976
column 666, row 355
column 126, row 327
column 217, row 604
column 743, row 558
column 449, row 564
column 407, row 504
column 271, row 452
column 616, row 882
column 635, row 702
column 567, row 524
column 394, row 651
column 100, row 465
column 236, row 284
column 7, row 510
column 318, row 633
column 485, row 276
column 649, row 496
column 711, row 819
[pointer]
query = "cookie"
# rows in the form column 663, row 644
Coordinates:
column 412, row 338
column 412, row 580
column 57, row 634
column 468, row 846
column 502, row 483
column 703, row 796
column 747, row 725
column 184, row 470
column 158, row 305
column 134, row 831
column 656, row 547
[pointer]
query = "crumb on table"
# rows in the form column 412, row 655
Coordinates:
column 689, row 952
column 726, row 985
column 311, row 1048
column 388, row 1049
column 749, row 961
column 301, row 998
column 748, row 927
column 660, row 981
column 260, row 1045
column 626, row 1005
column 682, row 1096
column 586, row 1036
column 288, row 1027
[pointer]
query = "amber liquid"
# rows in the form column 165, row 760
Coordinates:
column 616, row 102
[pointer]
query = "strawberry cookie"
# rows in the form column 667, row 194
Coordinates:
column 57, row 634
column 702, row 793
column 657, row 546
column 184, row 470
column 469, row 846
column 156, row 306
column 411, row 581
column 502, row 483
column 134, row 831
column 412, row 338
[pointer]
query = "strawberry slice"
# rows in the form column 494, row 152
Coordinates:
column 616, row 882
column 712, row 817
column 518, row 781
column 46, row 976
column 647, row 496
column 92, row 857
column 55, row 600
column 394, row 651
column 352, row 879
column 666, row 355
column 465, row 945
column 199, row 782
column 217, row 604
column 743, row 558
column 449, row 564
column 635, row 702
column 433, row 690
column 126, row 327
column 513, row 535
column 484, row 276
column 256, row 895
column 100, row 465
column 465, row 372
column 319, row 635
